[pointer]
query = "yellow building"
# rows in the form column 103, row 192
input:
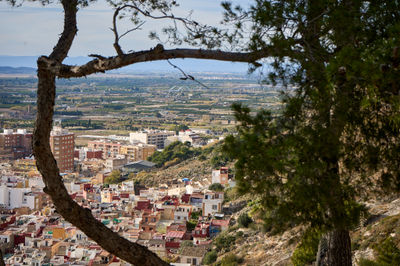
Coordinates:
column 137, row 152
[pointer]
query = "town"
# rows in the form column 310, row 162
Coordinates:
column 177, row 219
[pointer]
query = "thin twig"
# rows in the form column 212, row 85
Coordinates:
column 128, row 31
column 186, row 76
column 185, row 21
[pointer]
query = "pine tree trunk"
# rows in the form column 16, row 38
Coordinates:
column 335, row 249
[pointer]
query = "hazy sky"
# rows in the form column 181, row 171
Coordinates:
column 33, row 29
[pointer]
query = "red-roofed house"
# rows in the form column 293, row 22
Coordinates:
column 201, row 232
column 143, row 204
column 218, row 226
column 173, row 241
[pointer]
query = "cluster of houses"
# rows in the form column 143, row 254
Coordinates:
column 176, row 222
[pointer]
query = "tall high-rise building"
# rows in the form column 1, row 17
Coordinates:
column 62, row 145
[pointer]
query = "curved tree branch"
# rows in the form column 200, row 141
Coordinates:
column 46, row 164
column 114, row 29
column 101, row 64
column 61, row 50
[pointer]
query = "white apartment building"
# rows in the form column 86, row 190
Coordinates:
column 115, row 163
column 185, row 136
column 12, row 198
column 153, row 137
column 212, row 203
column 182, row 213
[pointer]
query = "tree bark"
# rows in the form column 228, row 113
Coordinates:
column 54, row 186
column 335, row 249
column 339, row 248
column 102, row 64
column 2, row 263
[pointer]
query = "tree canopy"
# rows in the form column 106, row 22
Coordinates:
column 337, row 136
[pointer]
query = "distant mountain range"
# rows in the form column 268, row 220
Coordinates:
column 17, row 70
column 27, row 65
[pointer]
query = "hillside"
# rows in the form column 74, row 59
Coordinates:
column 253, row 246
column 192, row 168
column 377, row 238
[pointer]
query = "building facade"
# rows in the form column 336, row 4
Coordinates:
column 220, row 176
column 138, row 152
column 153, row 137
column 62, row 145
column 15, row 145
column 110, row 149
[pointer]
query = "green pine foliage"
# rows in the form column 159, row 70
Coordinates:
column 339, row 126
column 388, row 253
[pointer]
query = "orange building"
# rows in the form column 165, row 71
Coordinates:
column 62, row 145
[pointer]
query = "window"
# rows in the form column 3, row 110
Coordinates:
column 214, row 207
column 189, row 260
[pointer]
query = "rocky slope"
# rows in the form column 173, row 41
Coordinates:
column 254, row 247
column 193, row 169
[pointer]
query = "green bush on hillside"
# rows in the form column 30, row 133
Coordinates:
column 224, row 242
column 305, row 253
column 244, row 220
column 216, row 187
column 388, row 255
column 176, row 151
column 210, row 257
column 230, row 260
